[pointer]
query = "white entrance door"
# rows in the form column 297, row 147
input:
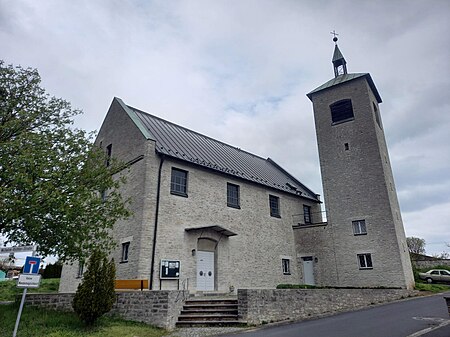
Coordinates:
column 308, row 270
column 205, row 271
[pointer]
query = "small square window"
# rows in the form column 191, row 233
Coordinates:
column 178, row 182
column 307, row 214
column 274, row 204
column 125, row 249
column 365, row 261
column 80, row 270
column 359, row 227
column 286, row 265
column 233, row 196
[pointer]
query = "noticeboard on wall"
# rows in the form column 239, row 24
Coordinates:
column 170, row 269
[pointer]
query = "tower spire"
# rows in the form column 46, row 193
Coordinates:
column 339, row 63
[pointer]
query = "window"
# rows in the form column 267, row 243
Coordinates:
column 307, row 214
column 125, row 249
column 445, row 273
column 108, row 154
column 377, row 114
column 286, row 265
column 178, row 183
column 341, row 111
column 346, row 147
column 359, row 227
column 365, row 261
column 274, row 203
column 80, row 270
column 233, row 195
column 435, row 272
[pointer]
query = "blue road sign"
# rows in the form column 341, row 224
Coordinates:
column 31, row 265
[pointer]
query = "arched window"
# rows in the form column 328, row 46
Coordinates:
column 341, row 111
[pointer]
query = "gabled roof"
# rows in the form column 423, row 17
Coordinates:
column 346, row 78
column 183, row 144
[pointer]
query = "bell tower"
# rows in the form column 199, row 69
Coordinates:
column 363, row 214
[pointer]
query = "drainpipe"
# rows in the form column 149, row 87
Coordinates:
column 158, row 192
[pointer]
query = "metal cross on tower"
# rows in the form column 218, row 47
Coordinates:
column 335, row 36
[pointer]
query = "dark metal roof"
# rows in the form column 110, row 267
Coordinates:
column 218, row 229
column 337, row 55
column 346, row 78
column 187, row 145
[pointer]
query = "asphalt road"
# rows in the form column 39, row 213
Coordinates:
column 400, row 319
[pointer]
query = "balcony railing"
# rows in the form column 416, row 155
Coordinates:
column 311, row 219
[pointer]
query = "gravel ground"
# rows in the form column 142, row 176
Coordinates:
column 194, row 332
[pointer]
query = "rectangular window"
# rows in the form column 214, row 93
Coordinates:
column 286, row 265
column 108, row 154
column 274, row 203
column 359, row 227
column 377, row 115
column 307, row 214
column 80, row 270
column 341, row 111
column 125, row 248
column 233, row 195
column 178, row 182
column 365, row 261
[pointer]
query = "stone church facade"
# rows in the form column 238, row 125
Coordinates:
column 209, row 217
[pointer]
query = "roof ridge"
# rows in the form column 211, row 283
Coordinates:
column 196, row 132
column 271, row 161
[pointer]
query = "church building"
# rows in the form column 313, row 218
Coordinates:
column 210, row 217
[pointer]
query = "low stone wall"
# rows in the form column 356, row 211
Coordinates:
column 431, row 263
column 259, row 306
column 159, row 308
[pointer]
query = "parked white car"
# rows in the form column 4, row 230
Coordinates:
column 436, row 275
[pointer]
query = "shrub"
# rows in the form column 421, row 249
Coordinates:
column 95, row 295
column 52, row 270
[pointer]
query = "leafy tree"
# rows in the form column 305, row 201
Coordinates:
column 95, row 295
column 51, row 174
column 415, row 245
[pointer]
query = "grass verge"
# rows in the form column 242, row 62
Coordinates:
column 434, row 288
column 36, row 322
column 9, row 291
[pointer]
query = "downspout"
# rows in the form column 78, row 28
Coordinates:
column 158, row 192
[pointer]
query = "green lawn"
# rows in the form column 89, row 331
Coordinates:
column 8, row 289
column 39, row 322
column 435, row 288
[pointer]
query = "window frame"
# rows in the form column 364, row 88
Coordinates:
column 274, row 201
column 173, row 183
column 307, row 218
column 286, row 266
column 366, row 259
column 231, row 198
column 108, row 154
column 80, row 271
column 338, row 107
column 124, row 255
column 356, row 224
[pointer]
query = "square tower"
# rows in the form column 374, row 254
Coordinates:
column 361, row 202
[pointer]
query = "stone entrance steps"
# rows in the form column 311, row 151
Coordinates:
column 209, row 312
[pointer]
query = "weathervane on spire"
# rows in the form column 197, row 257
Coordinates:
column 335, row 35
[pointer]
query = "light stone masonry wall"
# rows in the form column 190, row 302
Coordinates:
column 259, row 306
column 128, row 145
column 358, row 185
column 252, row 258
column 158, row 308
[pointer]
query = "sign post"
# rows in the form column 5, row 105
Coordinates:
column 29, row 279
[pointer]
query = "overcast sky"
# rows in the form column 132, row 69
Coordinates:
column 238, row 71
